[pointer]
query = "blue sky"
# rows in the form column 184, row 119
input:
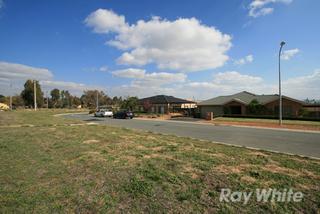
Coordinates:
column 191, row 49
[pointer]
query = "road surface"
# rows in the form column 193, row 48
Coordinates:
column 300, row 143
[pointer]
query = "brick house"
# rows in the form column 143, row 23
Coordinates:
column 163, row 104
column 237, row 104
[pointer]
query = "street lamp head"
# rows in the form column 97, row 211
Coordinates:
column 282, row 43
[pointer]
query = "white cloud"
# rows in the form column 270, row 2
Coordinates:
column 130, row 73
column 259, row 7
column 224, row 83
column 15, row 71
column 13, row 76
column 142, row 78
column 145, row 83
column 234, row 77
column 244, row 60
column 229, row 82
column 104, row 68
column 178, row 85
column 184, row 44
column 154, row 78
column 159, row 79
column 72, row 87
column 105, row 21
column 288, row 54
column 303, row 86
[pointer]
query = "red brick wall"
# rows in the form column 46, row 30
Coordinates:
column 287, row 106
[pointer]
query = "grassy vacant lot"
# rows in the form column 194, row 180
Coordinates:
column 95, row 168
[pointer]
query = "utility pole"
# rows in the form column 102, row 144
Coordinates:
column 97, row 100
column 280, row 96
column 11, row 96
column 35, row 95
column 47, row 99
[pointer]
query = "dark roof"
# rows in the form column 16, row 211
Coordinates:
column 164, row 99
column 245, row 98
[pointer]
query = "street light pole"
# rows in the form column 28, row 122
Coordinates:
column 11, row 96
column 35, row 95
column 280, row 96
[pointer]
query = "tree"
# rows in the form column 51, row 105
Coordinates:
column 17, row 101
column 130, row 103
column 312, row 101
column 89, row 98
column 65, row 99
column 55, row 97
column 28, row 92
column 75, row 101
column 2, row 98
column 117, row 101
column 255, row 108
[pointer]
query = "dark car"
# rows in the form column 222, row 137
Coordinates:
column 123, row 115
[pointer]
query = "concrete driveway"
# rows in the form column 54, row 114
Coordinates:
column 284, row 141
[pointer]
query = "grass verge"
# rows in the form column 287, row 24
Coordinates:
column 272, row 123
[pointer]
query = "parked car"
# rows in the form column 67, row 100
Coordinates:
column 103, row 113
column 123, row 115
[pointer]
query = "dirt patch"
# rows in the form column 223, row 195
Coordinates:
column 152, row 156
column 157, row 155
column 130, row 159
column 305, row 186
column 268, row 183
column 93, row 156
column 278, row 169
column 158, row 148
column 310, row 174
column 248, row 179
column 257, row 153
column 218, row 155
column 232, row 169
column 193, row 172
column 90, row 141
column 151, row 137
column 141, row 147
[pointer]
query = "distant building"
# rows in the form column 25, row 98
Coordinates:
column 163, row 104
column 238, row 104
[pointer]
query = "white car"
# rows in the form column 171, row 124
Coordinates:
column 104, row 113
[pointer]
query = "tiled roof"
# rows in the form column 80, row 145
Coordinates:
column 243, row 97
column 164, row 99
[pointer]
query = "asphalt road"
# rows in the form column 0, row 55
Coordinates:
column 300, row 143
